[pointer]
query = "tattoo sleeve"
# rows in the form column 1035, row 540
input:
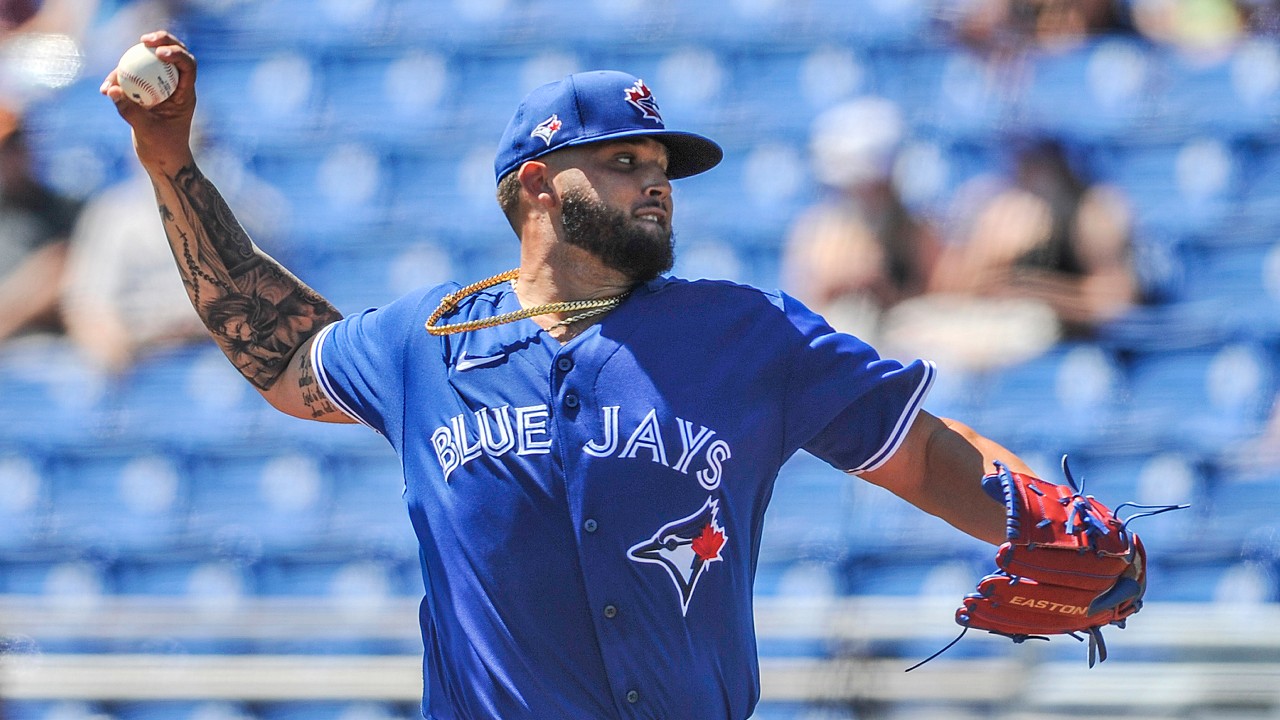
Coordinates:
column 256, row 310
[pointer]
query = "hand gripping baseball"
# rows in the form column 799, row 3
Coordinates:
column 1068, row 566
column 162, row 132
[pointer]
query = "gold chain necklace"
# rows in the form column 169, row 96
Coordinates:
column 447, row 304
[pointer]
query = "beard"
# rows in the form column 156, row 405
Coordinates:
column 638, row 249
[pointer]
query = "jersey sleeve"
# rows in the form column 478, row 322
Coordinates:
column 844, row 403
column 359, row 363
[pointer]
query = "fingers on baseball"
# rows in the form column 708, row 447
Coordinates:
column 172, row 50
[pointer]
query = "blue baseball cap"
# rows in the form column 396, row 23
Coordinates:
column 592, row 107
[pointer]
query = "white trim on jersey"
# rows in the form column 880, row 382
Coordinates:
column 904, row 423
column 322, row 378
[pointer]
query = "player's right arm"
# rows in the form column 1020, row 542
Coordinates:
column 262, row 317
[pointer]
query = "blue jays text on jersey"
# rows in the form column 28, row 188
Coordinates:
column 589, row 513
column 496, row 433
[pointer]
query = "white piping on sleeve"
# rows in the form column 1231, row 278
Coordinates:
column 326, row 385
column 905, row 420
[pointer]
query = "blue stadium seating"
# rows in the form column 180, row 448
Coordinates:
column 116, row 500
column 51, row 396
column 177, row 480
column 263, row 500
column 245, row 100
column 24, row 504
column 53, row 710
column 811, row 513
column 1184, row 186
column 1098, row 91
column 1069, row 394
column 369, row 510
column 801, row 711
column 187, row 396
column 1202, row 398
column 182, row 710
column 319, row 710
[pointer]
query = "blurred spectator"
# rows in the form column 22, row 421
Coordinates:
column 34, row 225
column 1261, row 17
column 121, row 295
column 859, row 250
column 1196, row 26
column 1035, row 257
column 998, row 27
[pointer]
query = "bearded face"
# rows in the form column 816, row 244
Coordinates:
column 640, row 249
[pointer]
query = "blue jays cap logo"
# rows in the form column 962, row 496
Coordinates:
column 685, row 548
column 641, row 97
column 547, row 129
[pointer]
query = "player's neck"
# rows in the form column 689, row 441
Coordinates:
column 565, row 273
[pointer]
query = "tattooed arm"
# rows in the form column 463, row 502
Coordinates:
column 261, row 316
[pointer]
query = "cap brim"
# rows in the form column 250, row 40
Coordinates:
column 687, row 153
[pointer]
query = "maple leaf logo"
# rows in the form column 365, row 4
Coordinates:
column 707, row 545
column 641, row 97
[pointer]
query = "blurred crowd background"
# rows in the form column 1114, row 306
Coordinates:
column 1072, row 206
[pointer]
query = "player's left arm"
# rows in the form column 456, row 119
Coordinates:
column 939, row 469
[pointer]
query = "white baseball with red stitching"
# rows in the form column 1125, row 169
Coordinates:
column 145, row 78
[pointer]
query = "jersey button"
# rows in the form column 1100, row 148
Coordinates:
column 564, row 364
column 633, row 697
column 571, row 400
column 590, row 525
column 610, row 611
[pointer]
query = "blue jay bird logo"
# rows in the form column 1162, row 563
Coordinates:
column 685, row 548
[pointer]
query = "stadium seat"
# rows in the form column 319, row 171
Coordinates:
column 246, row 98
column 393, row 97
column 451, row 191
column 116, row 500
column 1094, row 92
column 264, row 500
column 947, row 93
column 776, row 710
column 1242, row 514
column 1236, row 584
column 185, row 397
column 53, row 710
column 1202, row 399
column 1258, row 206
column 51, row 395
column 359, row 590
column 1069, row 394
column 62, row 583
column 182, row 710
column 1243, row 280
column 330, row 193
column 320, row 710
column 1179, row 188
column 775, row 92
column 811, row 512
column 24, row 503
column 212, row 590
column 1233, row 94
column 369, row 512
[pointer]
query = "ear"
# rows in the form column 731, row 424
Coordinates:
column 536, row 180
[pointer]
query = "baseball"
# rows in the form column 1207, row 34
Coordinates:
column 145, row 78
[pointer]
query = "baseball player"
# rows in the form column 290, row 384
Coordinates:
column 588, row 445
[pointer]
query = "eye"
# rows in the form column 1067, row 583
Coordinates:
column 626, row 159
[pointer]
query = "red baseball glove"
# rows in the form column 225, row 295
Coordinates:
column 1069, row 565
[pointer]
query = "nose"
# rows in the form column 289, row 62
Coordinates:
column 658, row 185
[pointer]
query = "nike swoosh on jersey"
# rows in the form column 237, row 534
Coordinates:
column 468, row 362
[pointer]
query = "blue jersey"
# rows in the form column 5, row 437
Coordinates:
column 589, row 513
